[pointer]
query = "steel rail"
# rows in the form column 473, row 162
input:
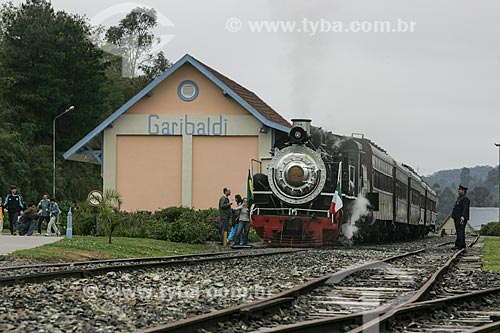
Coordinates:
column 491, row 327
column 434, row 304
column 93, row 271
column 336, row 323
column 421, row 293
column 107, row 261
column 120, row 260
column 333, row 324
column 264, row 305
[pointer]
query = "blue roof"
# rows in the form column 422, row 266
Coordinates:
column 205, row 70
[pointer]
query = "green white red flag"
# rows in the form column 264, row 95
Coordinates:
column 337, row 203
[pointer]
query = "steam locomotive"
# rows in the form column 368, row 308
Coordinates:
column 383, row 200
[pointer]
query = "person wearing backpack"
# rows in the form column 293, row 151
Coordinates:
column 54, row 212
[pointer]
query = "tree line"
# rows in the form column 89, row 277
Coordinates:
column 482, row 182
column 51, row 60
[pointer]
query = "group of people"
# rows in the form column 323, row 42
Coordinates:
column 23, row 218
column 239, row 216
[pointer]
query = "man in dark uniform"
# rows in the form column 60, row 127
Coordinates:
column 460, row 215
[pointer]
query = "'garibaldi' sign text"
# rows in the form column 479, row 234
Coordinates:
column 208, row 126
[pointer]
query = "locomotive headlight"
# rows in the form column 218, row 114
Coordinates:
column 297, row 174
column 298, row 135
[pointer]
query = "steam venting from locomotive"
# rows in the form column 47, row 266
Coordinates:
column 297, row 173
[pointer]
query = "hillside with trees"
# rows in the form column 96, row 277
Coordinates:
column 482, row 182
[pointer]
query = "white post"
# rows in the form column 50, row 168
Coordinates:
column 69, row 224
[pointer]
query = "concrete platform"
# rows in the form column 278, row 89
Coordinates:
column 10, row 243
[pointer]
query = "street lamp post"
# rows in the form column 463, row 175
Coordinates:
column 54, row 149
column 498, row 145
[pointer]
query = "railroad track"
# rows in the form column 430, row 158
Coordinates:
column 264, row 306
column 377, row 318
column 12, row 275
column 460, row 304
column 334, row 307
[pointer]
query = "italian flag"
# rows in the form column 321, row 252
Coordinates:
column 337, row 204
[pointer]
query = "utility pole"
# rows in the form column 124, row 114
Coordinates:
column 54, row 149
column 498, row 145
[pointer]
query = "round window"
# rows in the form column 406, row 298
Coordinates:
column 188, row 90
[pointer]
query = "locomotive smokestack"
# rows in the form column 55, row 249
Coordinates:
column 305, row 124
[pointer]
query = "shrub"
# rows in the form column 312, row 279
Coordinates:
column 136, row 224
column 170, row 214
column 191, row 228
column 491, row 229
column 158, row 229
column 177, row 224
column 83, row 220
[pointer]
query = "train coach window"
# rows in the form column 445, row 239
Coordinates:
column 383, row 182
column 415, row 198
column 352, row 177
column 352, row 173
column 402, row 190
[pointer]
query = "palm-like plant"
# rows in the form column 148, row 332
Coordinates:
column 108, row 210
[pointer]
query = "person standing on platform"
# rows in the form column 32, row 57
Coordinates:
column 54, row 212
column 244, row 223
column 234, row 220
column 14, row 204
column 460, row 215
column 44, row 211
column 224, row 212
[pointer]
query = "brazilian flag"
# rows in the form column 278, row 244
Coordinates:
column 249, row 190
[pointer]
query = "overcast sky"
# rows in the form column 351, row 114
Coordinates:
column 430, row 97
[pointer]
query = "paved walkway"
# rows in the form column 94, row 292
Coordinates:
column 10, row 243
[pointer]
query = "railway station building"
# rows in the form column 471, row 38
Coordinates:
column 182, row 139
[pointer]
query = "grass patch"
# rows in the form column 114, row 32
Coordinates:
column 81, row 248
column 491, row 254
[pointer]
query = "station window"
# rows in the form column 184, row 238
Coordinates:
column 187, row 90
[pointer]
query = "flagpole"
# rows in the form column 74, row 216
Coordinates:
column 339, row 182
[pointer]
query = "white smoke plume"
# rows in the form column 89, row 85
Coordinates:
column 358, row 210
